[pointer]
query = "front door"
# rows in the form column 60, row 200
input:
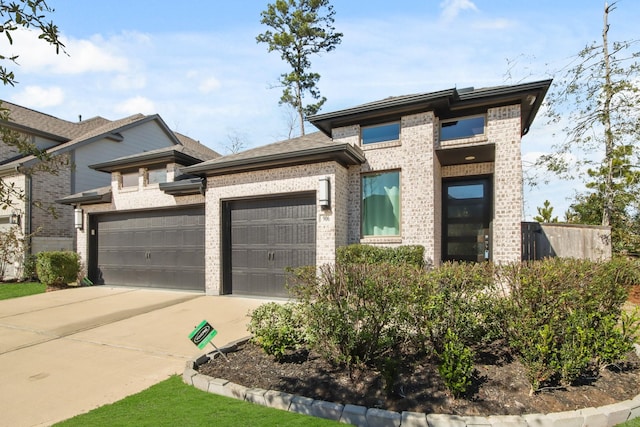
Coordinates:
column 466, row 208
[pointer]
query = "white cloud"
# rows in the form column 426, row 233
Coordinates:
column 138, row 104
column 39, row 97
column 82, row 56
column 451, row 8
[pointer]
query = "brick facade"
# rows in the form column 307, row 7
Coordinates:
column 421, row 174
column 331, row 223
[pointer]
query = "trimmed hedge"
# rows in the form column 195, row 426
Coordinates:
column 367, row 254
column 58, row 267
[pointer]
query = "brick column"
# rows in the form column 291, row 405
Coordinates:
column 503, row 128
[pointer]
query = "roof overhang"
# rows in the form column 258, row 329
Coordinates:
column 445, row 104
column 146, row 159
column 101, row 195
column 345, row 154
column 184, row 187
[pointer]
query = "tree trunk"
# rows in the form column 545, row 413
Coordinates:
column 300, row 107
column 606, row 121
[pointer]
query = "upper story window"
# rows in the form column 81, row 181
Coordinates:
column 130, row 179
column 156, row 176
column 380, row 133
column 467, row 127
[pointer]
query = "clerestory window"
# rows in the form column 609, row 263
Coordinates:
column 467, row 127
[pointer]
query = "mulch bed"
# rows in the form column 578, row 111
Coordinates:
column 500, row 386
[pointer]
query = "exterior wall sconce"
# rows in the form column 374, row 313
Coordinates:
column 14, row 218
column 324, row 193
column 78, row 217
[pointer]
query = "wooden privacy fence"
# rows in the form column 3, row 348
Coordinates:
column 565, row 240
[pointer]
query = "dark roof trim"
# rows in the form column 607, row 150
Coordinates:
column 183, row 188
column 395, row 105
column 146, row 159
column 446, row 100
column 37, row 132
column 344, row 154
column 86, row 198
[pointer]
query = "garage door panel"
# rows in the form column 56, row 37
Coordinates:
column 163, row 249
column 265, row 237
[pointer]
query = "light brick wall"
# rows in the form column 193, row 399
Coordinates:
column 15, row 184
column 421, row 181
column 331, row 223
column 503, row 128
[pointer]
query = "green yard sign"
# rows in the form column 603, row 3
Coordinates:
column 202, row 334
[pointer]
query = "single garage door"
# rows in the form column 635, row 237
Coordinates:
column 159, row 249
column 262, row 238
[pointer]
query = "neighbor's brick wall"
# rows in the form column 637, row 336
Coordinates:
column 331, row 224
column 46, row 187
column 503, row 128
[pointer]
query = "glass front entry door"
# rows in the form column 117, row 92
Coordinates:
column 466, row 208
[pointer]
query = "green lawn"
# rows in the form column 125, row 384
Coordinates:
column 632, row 423
column 15, row 290
column 173, row 403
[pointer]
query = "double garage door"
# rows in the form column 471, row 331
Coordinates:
column 263, row 237
column 160, row 249
column 165, row 248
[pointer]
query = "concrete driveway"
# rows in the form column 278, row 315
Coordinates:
column 66, row 352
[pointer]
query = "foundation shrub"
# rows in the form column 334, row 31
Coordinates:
column 562, row 316
column 456, row 297
column 58, row 267
column 456, row 364
column 277, row 328
column 367, row 254
column 357, row 313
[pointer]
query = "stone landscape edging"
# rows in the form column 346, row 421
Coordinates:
column 602, row 416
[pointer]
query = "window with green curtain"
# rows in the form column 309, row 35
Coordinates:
column 381, row 204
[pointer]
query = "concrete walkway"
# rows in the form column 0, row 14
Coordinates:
column 64, row 353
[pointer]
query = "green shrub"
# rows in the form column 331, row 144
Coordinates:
column 367, row 254
column 457, row 297
column 456, row 364
column 57, row 268
column 277, row 328
column 357, row 313
column 29, row 269
column 562, row 316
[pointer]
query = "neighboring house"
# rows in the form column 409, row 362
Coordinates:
column 75, row 146
column 440, row 169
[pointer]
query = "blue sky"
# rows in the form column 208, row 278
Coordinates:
column 197, row 63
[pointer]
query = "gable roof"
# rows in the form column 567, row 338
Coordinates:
column 71, row 135
column 310, row 148
column 445, row 102
column 26, row 119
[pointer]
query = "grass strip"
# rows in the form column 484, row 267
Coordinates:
column 174, row 403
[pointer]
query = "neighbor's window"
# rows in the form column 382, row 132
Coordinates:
column 381, row 204
column 462, row 128
column 381, row 133
column 156, row 176
column 130, row 179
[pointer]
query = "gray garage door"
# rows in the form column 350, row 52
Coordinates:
column 159, row 249
column 263, row 237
